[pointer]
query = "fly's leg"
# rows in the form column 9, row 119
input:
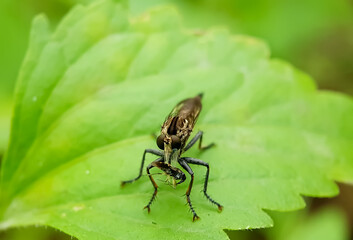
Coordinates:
column 155, row 186
column 202, row 163
column 183, row 163
column 152, row 151
column 198, row 136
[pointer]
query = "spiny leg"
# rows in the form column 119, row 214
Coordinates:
column 152, row 151
column 152, row 165
column 188, row 191
column 194, row 140
column 202, row 163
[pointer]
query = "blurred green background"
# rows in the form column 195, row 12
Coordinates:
column 316, row 36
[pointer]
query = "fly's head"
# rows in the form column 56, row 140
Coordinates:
column 174, row 174
column 177, row 174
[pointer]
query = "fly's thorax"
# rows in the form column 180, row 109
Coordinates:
column 175, row 156
column 170, row 144
column 171, row 156
column 168, row 151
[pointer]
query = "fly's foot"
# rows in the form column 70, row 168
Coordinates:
column 123, row 183
column 220, row 208
column 195, row 217
column 208, row 146
column 148, row 208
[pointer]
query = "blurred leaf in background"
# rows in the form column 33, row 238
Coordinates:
column 13, row 43
column 329, row 223
column 15, row 21
column 14, row 25
column 5, row 113
column 314, row 35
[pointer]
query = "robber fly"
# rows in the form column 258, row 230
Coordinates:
column 175, row 132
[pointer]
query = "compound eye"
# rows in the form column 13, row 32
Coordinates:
column 176, row 143
column 160, row 141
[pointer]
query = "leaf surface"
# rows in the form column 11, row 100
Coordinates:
column 91, row 93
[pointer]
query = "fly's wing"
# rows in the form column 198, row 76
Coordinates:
column 190, row 110
column 182, row 118
column 176, row 110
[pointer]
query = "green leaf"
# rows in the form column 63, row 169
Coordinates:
column 13, row 42
column 34, row 232
column 268, row 19
column 326, row 223
column 91, row 94
column 5, row 116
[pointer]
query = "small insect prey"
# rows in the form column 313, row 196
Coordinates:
column 175, row 132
